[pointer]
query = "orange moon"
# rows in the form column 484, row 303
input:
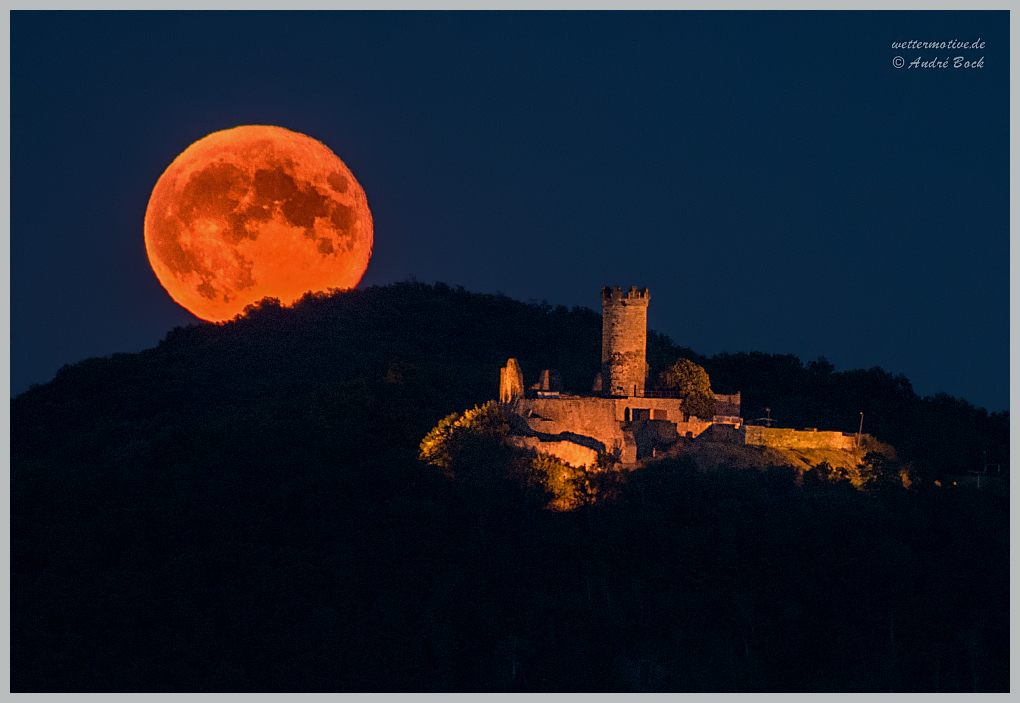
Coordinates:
column 256, row 211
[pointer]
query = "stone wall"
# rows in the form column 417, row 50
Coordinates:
column 630, row 428
column 727, row 405
column 549, row 380
column 613, row 425
column 692, row 429
column 651, row 435
column 511, row 381
column 624, row 337
column 729, row 434
column 594, row 418
column 569, row 452
column 648, row 409
column 780, row 438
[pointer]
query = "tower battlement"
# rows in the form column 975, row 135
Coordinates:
column 615, row 296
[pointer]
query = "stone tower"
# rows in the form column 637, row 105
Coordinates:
column 624, row 334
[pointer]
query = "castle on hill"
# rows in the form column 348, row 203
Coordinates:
column 620, row 417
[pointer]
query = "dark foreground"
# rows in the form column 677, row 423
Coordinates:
column 241, row 509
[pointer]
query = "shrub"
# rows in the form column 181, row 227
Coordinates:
column 444, row 442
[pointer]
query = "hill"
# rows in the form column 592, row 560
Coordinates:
column 242, row 508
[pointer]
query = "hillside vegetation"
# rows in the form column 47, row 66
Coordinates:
column 242, row 508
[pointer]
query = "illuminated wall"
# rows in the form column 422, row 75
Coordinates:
column 797, row 439
column 624, row 336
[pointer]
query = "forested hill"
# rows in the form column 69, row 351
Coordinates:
column 405, row 355
column 242, row 508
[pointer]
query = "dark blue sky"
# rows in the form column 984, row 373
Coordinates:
column 773, row 178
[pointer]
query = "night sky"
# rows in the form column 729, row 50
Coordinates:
column 773, row 179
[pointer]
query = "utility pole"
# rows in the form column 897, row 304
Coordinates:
column 861, row 427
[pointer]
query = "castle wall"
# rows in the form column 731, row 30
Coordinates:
column 726, row 433
column 590, row 417
column 511, row 381
column 613, row 423
column 648, row 409
column 693, row 428
column 727, row 405
column 569, row 452
column 796, row 439
column 650, row 435
column 631, row 428
column 624, row 337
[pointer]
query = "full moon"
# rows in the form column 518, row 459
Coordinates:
column 256, row 211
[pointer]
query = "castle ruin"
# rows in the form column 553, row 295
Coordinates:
column 621, row 418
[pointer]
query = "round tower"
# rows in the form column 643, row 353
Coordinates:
column 624, row 334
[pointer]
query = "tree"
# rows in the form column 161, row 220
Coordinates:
column 690, row 383
column 446, row 441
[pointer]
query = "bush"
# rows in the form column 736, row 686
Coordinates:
column 445, row 442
